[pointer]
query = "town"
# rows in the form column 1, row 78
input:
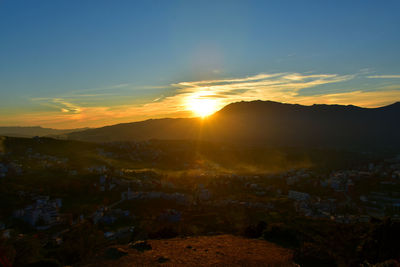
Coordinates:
column 47, row 196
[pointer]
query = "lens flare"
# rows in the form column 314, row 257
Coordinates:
column 201, row 105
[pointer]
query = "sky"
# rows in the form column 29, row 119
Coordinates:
column 90, row 63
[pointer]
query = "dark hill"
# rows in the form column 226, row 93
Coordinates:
column 269, row 123
column 34, row 131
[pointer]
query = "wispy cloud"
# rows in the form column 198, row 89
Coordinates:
column 58, row 104
column 67, row 107
column 384, row 76
column 99, row 92
column 277, row 86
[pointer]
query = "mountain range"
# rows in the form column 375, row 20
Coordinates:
column 264, row 123
column 32, row 131
column 268, row 123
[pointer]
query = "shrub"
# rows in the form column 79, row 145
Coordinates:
column 80, row 243
column 45, row 263
column 255, row 230
column 381, row 242
column 282, row 235
column 163, row 233
column 310, row 254
column 27, row 250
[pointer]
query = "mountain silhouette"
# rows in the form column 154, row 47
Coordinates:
column 18, row 131
column 268, row 123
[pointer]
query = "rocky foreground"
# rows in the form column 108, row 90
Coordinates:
column 220, row 250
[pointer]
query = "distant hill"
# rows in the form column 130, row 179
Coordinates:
column 268, row 123
column 34, row 131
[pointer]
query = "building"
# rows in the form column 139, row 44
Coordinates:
column 299, row 196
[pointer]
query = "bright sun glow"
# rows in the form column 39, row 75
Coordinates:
column 202, row 106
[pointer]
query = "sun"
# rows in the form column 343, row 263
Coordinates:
column 202, row 106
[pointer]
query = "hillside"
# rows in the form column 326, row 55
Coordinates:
column 267, row 123
column 172, row 129
column 112, row 194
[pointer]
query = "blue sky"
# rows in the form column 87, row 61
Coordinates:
column 91, row 63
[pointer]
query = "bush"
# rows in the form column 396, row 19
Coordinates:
column 310, row 254
column 388, row 263
column 282, row 235
column 27, row 250
column 163, row 233
column 255, row 230
column 80, row 243
column 45, row 263
column 381, row 242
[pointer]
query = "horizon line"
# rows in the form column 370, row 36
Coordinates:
column 194, row 117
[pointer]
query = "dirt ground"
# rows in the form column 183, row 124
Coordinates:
column 220, row 250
